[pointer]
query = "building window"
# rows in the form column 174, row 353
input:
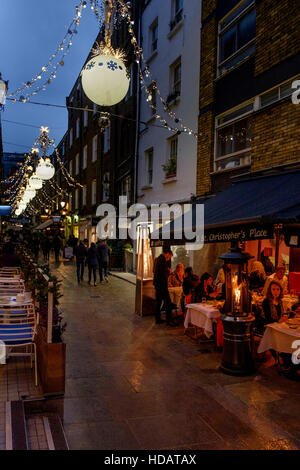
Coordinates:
column 84, row 161
column 106, row 187
column 153, row 36
column 126, row 188
column 237, row 36
column 177, row 13
column 276, row 94
column 152, row 97
column 77, row 164
column 76, row 198
column 85, row 117
column 106, row 142
column 175, row 79
column 77, row 128
column 84, row 195
column 71, row 138
column 94, row 192
column 71, row 168
column 94, row 154
column 170, row 168
column 233, row 147
column 149, row 166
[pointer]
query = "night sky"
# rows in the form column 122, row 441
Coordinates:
column 30, row 32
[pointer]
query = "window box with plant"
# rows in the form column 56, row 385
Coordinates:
column 170, row 168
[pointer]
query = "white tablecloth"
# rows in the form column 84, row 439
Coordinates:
column 175, row 295
column 280, row 337
column 10, row 301
column 201, row 315
column 287, row 301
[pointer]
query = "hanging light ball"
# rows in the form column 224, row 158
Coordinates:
column 45, row 170
column 35, row 182
column 18, row 212
column 105, row 80
column 29, row 194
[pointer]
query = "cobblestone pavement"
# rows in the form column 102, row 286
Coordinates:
column 132, row 384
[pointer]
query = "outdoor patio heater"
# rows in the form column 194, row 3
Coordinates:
column 145, row 293
column 236, row 319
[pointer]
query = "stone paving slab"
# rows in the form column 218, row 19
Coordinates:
column 132, row 384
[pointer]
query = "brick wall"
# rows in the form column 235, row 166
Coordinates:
column 205, row 152
column 277, row 32
column 275, row 140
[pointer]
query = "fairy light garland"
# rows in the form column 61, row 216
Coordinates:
column 63, row 49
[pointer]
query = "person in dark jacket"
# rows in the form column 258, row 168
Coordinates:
column 103, row 253
column 205, row 289
column 160, row 281
column 56, row 246
column 92, row 262
column 46, row 247
column 80, row 252
column 190, row 281
column 9, row 258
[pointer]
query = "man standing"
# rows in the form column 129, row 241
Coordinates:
column 80, row 252
column 160, row 281
column 103, row 252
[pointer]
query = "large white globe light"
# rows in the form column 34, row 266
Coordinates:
column 35, row 182
column 18, row 212
column 45, row 170
column 29, row 194
column 104, row 80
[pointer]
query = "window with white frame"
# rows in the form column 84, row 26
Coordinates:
column 106, row 140
column 84, row 195
column 149, row 166
column 94, row 149
column 77, row 164
column 106, row 186
column 71, row 167
column 175, row 79
column 177, row 13
column 233, row 141
column 152, row 97
column 76, row 198
column 77, row 128
column 237, row 36
column 84, row 160
column 126, row 188
column 85, row 117
column 170, row 168
column 71, row 137
column 153, row 36
column 276, row 94
column 94, row 192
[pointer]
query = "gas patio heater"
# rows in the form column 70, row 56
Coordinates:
column 237, row 321
column 145, row 292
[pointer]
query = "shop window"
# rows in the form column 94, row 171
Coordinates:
column 233, row 145
column 237, row 36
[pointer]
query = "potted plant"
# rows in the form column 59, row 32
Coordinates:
column 170, row 168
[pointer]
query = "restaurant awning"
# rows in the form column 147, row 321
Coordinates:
column 255, row 201
column 43, row 225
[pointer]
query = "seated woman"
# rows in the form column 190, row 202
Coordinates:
column 257, row 276
column 190, row 281
column 176, row 278
column 205, row 289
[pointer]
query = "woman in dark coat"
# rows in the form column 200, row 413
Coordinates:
column 92, row 262
column 205, row 288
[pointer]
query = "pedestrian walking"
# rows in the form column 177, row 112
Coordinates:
column 103, row 252
column 45, row 246
column 35, row 244
column 92, row 262
column 80, row 252
column 160, row 281
column 56, row 246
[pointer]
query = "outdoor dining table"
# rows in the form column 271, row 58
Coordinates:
column 175, row 295
column 202, row 315
column 280, row 337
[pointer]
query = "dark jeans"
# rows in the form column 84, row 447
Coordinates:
column 102, row 266
column 163, row 296
column 80, row 269
column 56, row 251
column 92, row 268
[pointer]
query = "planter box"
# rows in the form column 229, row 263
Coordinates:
column 170, row 175
column 51, row 363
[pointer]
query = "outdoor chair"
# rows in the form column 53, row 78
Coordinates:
column 17, row 330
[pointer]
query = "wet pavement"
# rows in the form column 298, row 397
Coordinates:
column 132, row 384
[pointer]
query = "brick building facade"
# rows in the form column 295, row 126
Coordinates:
column 250, row 55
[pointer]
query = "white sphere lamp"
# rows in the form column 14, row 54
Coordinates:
column 45, row 170
column 105, row 80
column 35, row 182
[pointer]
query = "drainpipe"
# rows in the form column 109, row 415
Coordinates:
column 138, row 113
